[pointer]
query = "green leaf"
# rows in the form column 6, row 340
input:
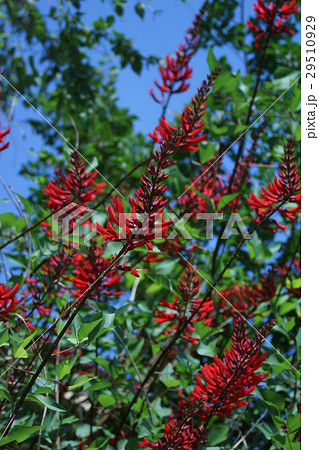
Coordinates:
column 10, row 220
column 19, row 434
column 206, row 152
column 102, row 362
column 27, row 205
column 64, row 368
column 170, row 382
column 19, row 350
column 82, row 379
column 293, row 422
column 140, row 9
column 119, row 313
column 212, row 61
column 217, row 434
column 165, row 267
column 5, row 393
column 202, row 329
column 296, row 99
column 219, row 130
column 179, row 180
column 296, row 284
column 46, row 401
column 99, row 386
column 106, row 400
column 160, row 410
column 70, row 419
column 273, row 397
column 266, row 429
column 112, row 248
column 4, row 335
column 86, row 329
column 227, row 199
column 168, row 377
column 207, row 350
column 275, row 404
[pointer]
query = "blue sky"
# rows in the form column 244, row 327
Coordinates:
column 156, row 34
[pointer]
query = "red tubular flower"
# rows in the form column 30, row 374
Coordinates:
column 191, row 122
column 2, row 135
column 176, row 71
column 246, row 299
column 8, row 301
column 223, row 384
column 283, row 189
column 189, row 288
column 82, row 441
column 267, row 15
column 78, row 185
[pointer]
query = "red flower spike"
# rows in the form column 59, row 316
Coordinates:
column 8, row 301
column 285, row 188
column 223, row 384
column 188, row 286
column 78, row 185
column 181, row 433
column 191, row 121
column 88, row 267
column 134, row 231
column 267, row 15
column 176, row 71
column 246, row 299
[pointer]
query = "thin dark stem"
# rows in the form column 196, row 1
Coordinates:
column 108, row 194
column 252, row 101
column 27, row 230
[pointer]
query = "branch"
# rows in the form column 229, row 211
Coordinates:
column 53, row 346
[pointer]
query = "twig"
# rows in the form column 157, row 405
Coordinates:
column 53, row 346
column 250, row 430
column 137, row 371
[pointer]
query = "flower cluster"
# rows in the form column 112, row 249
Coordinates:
column 181, row 433
column 218, row 390
column 88, row 267
column 284, row 188
column 78, row 185
column 223, row 384
column 149, row 203
column 176, row 71
column 192, row 122
column 246, row 299
column 8, row 301
column 267, row 15
column 185, row 307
